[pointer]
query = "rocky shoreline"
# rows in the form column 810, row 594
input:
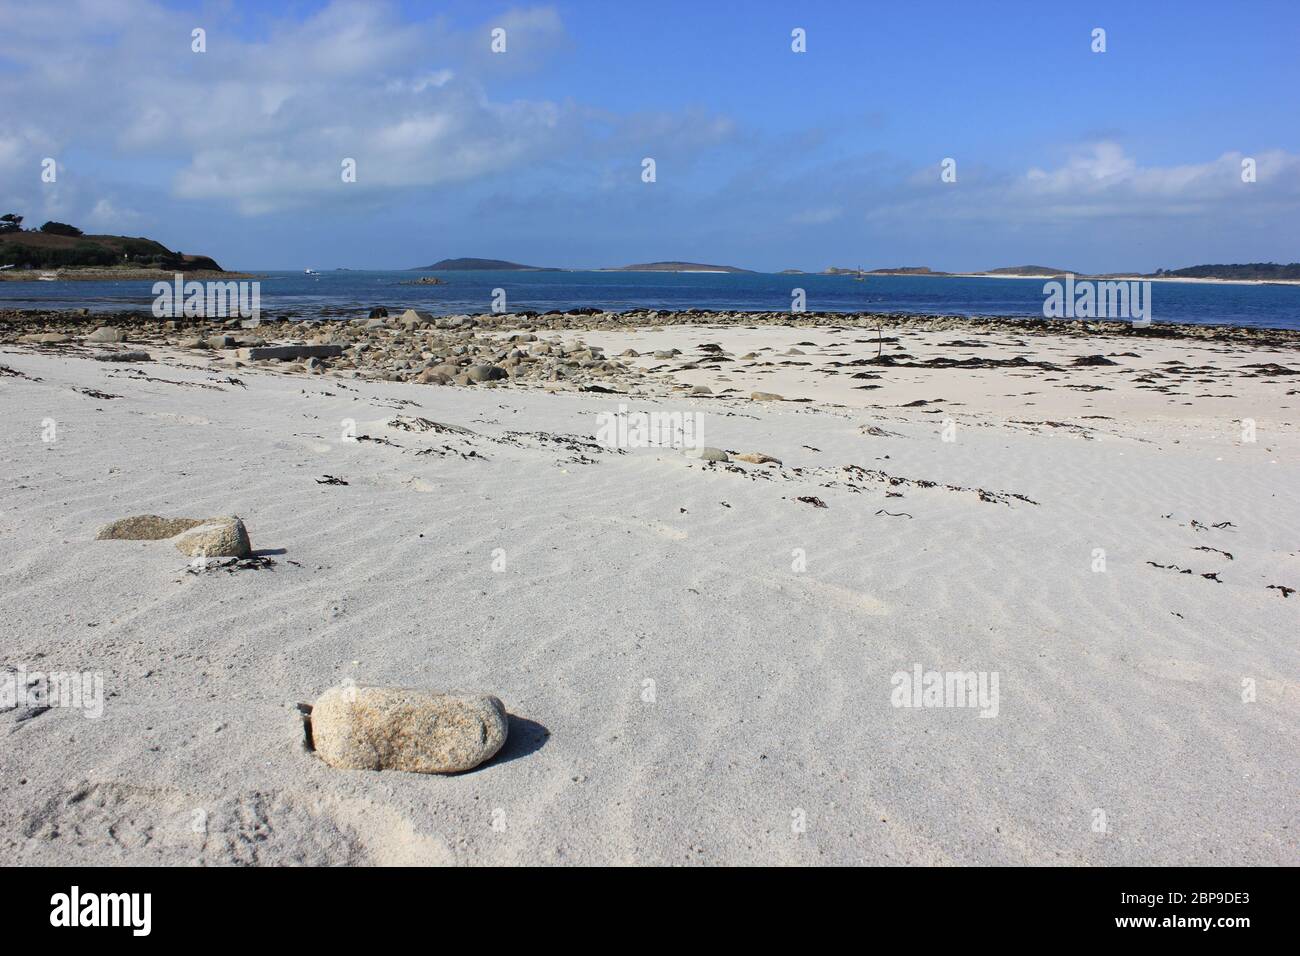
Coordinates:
column 517, row 347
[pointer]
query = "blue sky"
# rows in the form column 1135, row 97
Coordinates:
column 766, row 158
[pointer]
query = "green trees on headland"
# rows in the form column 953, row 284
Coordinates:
column 61, row 229
column 1262, row 271
column 59, row 245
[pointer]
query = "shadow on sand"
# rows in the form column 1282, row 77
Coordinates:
column 526, row 737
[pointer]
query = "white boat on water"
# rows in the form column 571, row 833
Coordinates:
column 48, row 277
column 310, row 272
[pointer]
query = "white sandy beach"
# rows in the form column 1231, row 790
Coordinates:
column 679, row 693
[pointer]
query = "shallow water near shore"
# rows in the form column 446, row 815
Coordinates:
column 1262, row 306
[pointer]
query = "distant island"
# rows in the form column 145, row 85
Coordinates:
column 502, row 265
column 1028, row 271
column 62, row 247
column 472, row 265
column 927, row 271
column 895, row 271
column 675, row 267
column 1249, row 272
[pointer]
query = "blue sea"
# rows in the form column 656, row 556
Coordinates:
column 306, row 296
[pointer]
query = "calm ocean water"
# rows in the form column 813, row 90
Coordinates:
column 1272, row 306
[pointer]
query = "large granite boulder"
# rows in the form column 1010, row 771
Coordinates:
column 399, row 728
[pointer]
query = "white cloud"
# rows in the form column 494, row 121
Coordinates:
column 1103, row 171
column 264, row 125
column 435, row 80
column 1095, row 181
column 108, row 217
column 817, row 216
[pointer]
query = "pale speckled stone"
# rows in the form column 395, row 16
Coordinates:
column 145, row 528
column 224, row 537
column 707, row 454
column 399, row 728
